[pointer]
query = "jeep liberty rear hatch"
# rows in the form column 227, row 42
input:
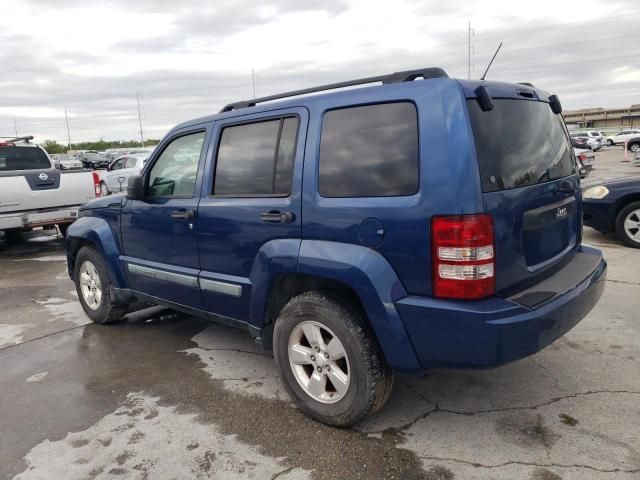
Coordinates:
column 527, row 172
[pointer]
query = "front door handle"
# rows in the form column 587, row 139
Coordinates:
column 275, row 216
column 183, row 214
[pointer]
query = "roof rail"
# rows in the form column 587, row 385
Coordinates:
column 397, row 77
column 25, row 139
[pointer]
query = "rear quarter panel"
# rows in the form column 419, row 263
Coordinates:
column 449, row 180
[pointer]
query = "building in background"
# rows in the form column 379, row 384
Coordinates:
column 611, row 118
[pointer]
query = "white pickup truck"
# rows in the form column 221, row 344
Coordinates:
column 35, row 194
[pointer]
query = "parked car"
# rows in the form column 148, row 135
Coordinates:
column 66, row 162
column 633, row 144
column 622, row 136
column 115, row 177
column 614, row 206
column 94, row 160
column 586, row 160
column 580, row 142
column 593, row 142
column 418, row 236
column 35, row 194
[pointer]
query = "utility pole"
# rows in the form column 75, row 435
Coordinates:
column 15, row 127
column 253, row 83
column 66, row 117
column 470, row 32
column 138, row 99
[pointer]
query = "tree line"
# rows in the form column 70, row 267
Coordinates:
column 51, row 146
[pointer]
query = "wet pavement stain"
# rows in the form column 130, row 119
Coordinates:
column 99, row 366
column 438, row 472
column 544, row 474
column 527, row 430
column 568, row 420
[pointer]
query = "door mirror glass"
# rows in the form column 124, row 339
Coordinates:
column 135, row 188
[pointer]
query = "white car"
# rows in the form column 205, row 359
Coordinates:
column 595, row 143
column 620, row 137
column 115, row 177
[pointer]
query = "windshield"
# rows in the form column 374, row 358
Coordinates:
column 23, row 158
column 519, row 143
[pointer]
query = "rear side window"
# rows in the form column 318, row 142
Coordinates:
column 519, row 143
column 370, row 151
column 256, row 159
column 23, row 158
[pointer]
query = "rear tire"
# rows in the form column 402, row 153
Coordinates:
column 628, row 225
column 94, row 288
column 345, row 353
column 14, row 235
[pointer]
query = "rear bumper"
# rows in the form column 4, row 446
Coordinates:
column 495, row 331
column 38, row 218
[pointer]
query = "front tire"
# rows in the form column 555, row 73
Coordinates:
column 63, row 227
column 94, row 288
column 329, row 361
column 634, row 147
column 628, row 225
column 610, row 143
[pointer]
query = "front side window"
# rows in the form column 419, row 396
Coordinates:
column 256, row 159
column 370, row 151
column 118, row 164
column 174, row 173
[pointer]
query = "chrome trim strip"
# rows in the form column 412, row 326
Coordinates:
column 187, row 280
column 221, row 287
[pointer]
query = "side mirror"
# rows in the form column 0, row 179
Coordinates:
column 135, row 188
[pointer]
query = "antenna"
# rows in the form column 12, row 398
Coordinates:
column 491, row 62
column 138, row 99
column 470, row 32
column 253, row 82
column 66, row 118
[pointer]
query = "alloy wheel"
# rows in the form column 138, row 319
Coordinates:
column 90, row 285
column 632, row 225
column 319, row 362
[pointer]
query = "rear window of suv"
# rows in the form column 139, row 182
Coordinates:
column 23, row 158
column 519, row 143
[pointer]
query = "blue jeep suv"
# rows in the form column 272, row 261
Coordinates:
column 423, row 221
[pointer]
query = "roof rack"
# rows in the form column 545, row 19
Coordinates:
column 25, row 139
column 397, row 77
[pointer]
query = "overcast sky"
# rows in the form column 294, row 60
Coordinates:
column 188, row 58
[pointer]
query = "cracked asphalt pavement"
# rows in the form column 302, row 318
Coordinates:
column 164, row 395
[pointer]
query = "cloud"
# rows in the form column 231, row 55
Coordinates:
column 189, row 58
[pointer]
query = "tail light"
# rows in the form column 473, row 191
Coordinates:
column 463, row 256
column 7, row 144
column 96, row 184
column 582, row 157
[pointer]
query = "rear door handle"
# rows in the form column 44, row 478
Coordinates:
column 275, row 216
column 183, row 214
